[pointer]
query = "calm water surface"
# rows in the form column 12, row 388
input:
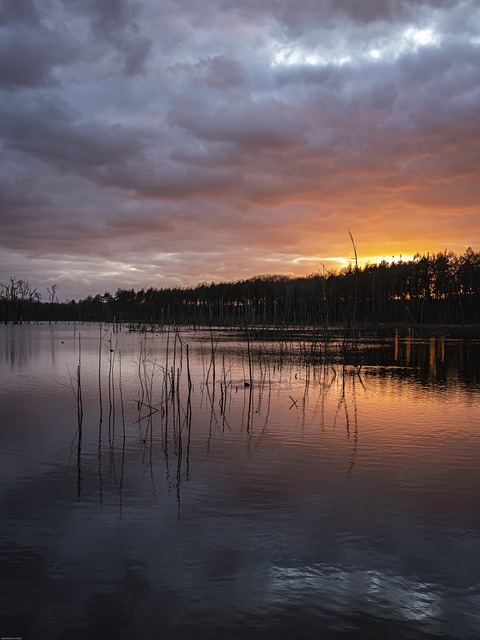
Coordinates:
column 267, row 499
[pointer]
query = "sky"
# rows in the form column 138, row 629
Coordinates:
column 172, row 142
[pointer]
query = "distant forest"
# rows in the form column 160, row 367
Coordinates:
column 443, row 288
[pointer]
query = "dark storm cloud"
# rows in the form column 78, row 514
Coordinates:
column 50, row 130
column 18, row 12
column 107, row 19
column 221, row 72
column 116, row 22
column 301, row 17
column 245, row 124
column 198, row 141
column 28, row 56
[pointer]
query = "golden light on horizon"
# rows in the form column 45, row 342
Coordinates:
column 388, row 259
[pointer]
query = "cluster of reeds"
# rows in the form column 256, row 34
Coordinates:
column 165, row 389
column 76, row 384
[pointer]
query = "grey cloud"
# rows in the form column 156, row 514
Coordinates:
column 173, row 181
column 450, row 72
column 18, row 12
column 107, row 17
column 28, row 56
column 270, row 124
column 306, row 74
column 425, row 86
column 136, row 53
column 385, row 10
column 18, row 195
column 221, row 72
column 116, row 22
column 300, row 17
column 460, row 19
column 213, row 154
column 130, row 129
column 53, row 132
column 328, row 12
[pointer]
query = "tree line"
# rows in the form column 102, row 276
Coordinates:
column 433, row 288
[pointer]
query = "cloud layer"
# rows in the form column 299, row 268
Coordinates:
column 164, row 144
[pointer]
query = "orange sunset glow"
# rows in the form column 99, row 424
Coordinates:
column 150, row 144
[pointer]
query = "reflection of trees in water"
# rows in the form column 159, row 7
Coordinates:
column 19, row 344
column 435, row 360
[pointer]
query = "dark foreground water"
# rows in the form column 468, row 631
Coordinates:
column 268, row 499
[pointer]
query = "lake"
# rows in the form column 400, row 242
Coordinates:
column 196, row 485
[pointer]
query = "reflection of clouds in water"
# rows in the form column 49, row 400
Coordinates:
column 351, row 590
column 394, row 544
